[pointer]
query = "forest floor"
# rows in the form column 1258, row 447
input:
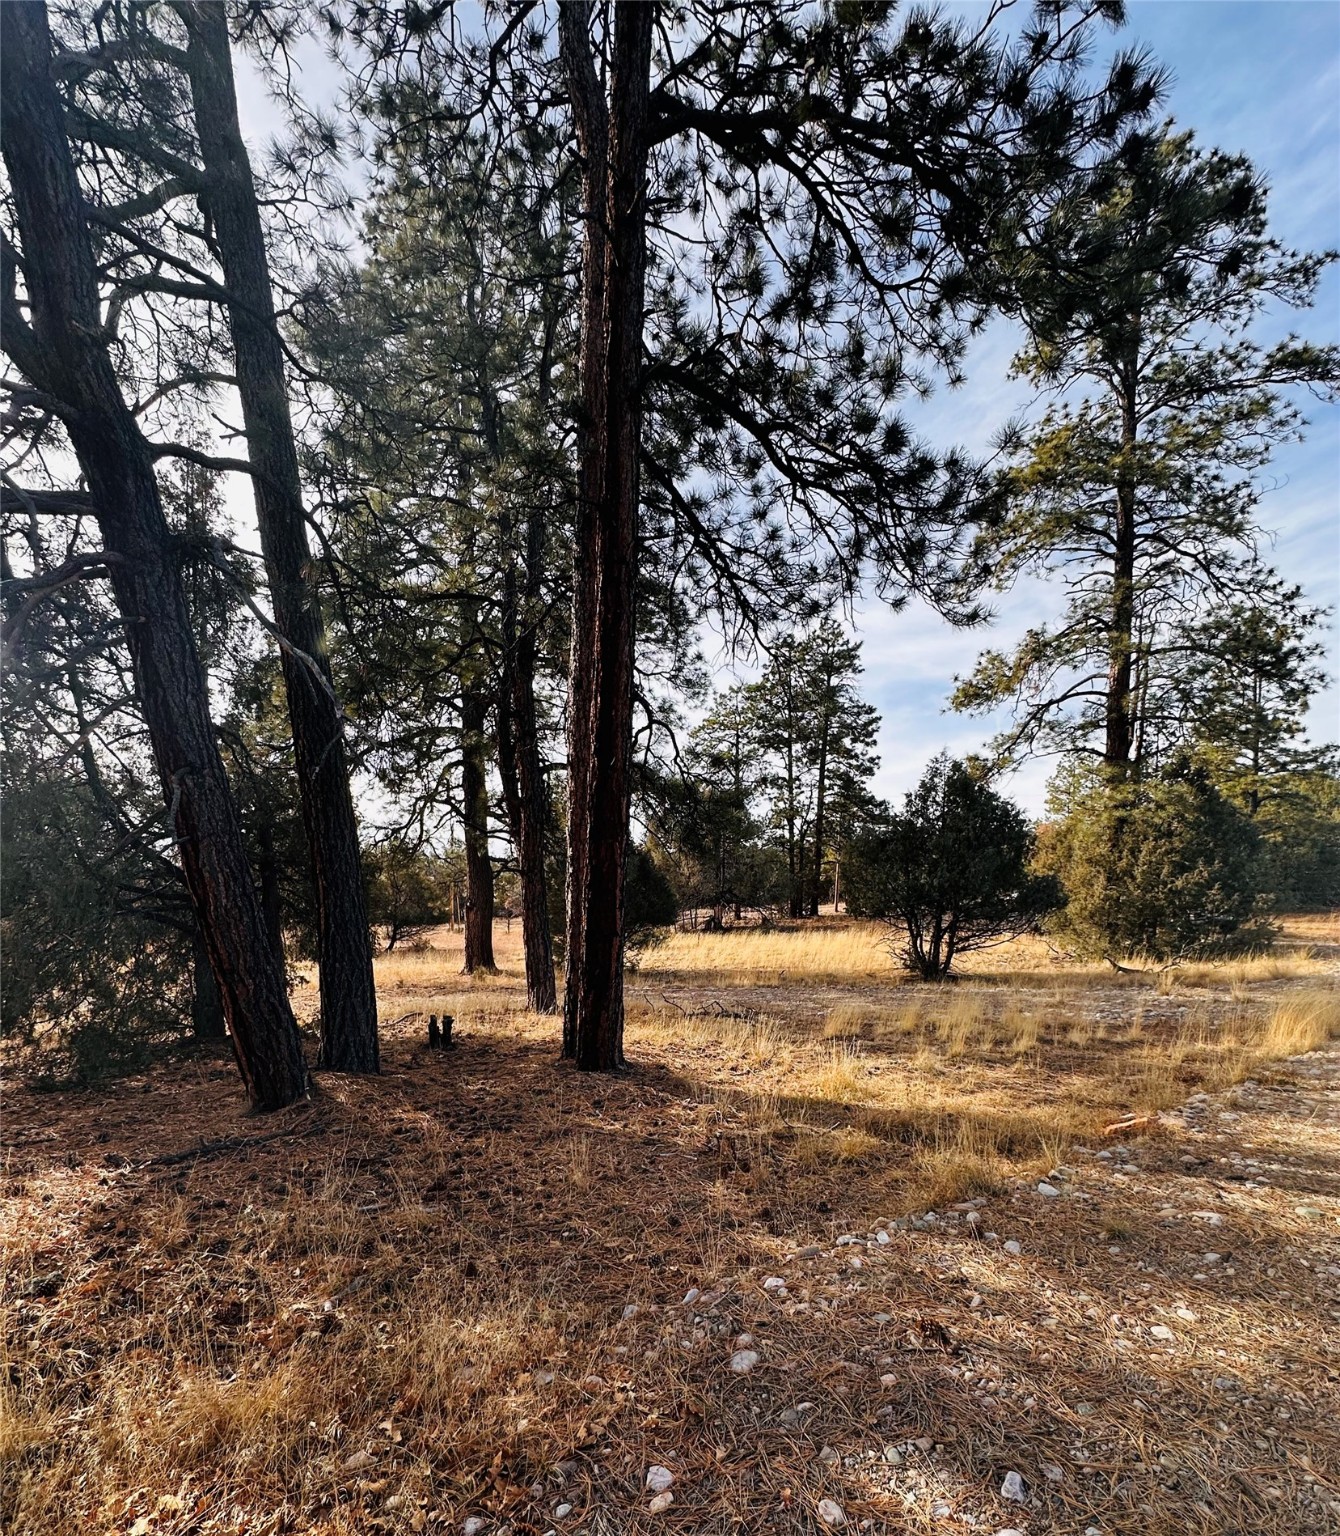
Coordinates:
column 836, row 1251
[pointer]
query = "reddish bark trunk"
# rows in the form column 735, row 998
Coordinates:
column 614, row 142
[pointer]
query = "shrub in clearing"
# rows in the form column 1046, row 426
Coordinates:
column 951, row 872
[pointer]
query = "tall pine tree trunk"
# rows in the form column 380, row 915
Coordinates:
column 614, row 142
column 64, row 355
column 1118, row 724
column 821, row 789
column 344, row 952
column 475, row 796
column 522, row 768
column 207, row 1022
column 271, row 903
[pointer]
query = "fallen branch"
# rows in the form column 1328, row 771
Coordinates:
column 226, row 1144
column 1131, row 1123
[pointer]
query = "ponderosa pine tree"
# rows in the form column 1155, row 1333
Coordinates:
column 151, row 104
column 816, row 736
column 612, row 122
column 1140, row 495
column 1241, row 700
column 103, row 954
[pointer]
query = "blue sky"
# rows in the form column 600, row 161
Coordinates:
column 1260, row 77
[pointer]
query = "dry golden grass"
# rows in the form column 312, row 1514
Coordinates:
column 832, row 950
column 1303, row 1022
column 826, row 951
column 408, row 1306
column 1249, row 969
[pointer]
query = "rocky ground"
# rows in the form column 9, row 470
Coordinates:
column 474, row 1295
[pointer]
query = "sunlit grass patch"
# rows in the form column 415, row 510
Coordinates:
column 1304, row 1022
column 851, row 951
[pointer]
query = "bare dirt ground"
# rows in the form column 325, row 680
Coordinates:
column 795, row 1269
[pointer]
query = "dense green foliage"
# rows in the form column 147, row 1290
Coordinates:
column 409, row 890
column 96, row 934
column 950, row 871
column 1161, row 868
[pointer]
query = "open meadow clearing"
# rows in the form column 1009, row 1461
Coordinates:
column 834, row 1236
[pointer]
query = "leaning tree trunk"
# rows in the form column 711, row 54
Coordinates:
column 62, row 351
column 614, row 139
column 344, row 952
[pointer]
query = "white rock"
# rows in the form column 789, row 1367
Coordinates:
column 774, row 1283
column 1013, row 1246
column 690, row 1297
column 882, row 1236
column 829, row 1455
column 1012, row 1488
column 659, row 1478
column 1185, row 1313
column 1049, row 1190
column 893, row 1456
column 562, row 1511
column 1009, row 1530
column 661, row 1503
column 743, row 1361
column 830, row 1512
column 630, row 1311
column 1161, row 1331
column 473, row 1526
